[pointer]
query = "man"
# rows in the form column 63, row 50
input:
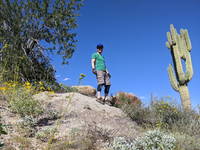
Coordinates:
column 101, row 72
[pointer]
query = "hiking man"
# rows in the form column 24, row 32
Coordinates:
column 101, row 72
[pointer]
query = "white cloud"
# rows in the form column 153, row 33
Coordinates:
column 65, row 79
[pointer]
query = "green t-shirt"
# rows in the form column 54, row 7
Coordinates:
column 99, row 61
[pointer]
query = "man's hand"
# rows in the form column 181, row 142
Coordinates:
column 94, row 71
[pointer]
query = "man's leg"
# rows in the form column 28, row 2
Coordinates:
column 99, row 87
column 106, row 90
column 100, row 80
column 107, row 85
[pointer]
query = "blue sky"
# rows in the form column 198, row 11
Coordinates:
column 134, row 34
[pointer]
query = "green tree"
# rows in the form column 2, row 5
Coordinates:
column 29, row 30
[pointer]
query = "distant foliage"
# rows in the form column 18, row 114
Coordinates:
column 29, row 30
column 168, row 116
column 123, row 98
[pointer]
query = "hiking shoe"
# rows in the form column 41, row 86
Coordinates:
column 101, row 100
column 108, row 103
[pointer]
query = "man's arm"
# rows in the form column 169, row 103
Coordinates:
column 93, row 66
column 93, row 63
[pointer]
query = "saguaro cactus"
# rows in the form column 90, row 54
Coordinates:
column 180, row 47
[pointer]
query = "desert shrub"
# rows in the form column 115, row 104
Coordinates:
column 166, row 113
column 152, row 140
column 21, row 142
column 155, row 140
column 120, row 143
column 186, row 142
column 123, row 98
column 76, row 139
column 27, row 126
column 188, row 123
column 139, row 114
column 169, row 116
column 21, row 101
column 46, row 134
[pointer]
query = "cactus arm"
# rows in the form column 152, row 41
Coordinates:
column 168, row 45
column 187, row 40
column 173, row 33
column 170, row 42
column 172, row 78
column 178, row 65
column 189, row 68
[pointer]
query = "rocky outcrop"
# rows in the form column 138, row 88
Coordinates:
column 86, row 90
column 78, row 115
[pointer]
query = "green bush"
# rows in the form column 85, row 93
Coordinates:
column 21, row 101
column 120, row 143
column 152, row 140
column 46, row 134
column 166, row 113
column 155, row 140
column 139, row 114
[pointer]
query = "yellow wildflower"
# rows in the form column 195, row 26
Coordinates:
column 27, row 84
column 3, row 88
column 42, row 88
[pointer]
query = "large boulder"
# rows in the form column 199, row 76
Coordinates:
column 86, row 90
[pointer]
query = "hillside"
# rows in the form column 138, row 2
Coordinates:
column 70, row 121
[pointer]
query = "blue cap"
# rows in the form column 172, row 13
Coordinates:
column 99, row 46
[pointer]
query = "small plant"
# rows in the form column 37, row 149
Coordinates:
column 120, row 143
column 155, row 140
column 21, row 101
column 82, row 76
column 46, row 134
column 22, row 142
column 2, row 131
column 26, row 127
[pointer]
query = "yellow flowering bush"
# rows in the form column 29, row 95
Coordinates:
column 19, row 97
column 166, row 113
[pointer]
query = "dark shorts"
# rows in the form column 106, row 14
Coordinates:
column 103, row 77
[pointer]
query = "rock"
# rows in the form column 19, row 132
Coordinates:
column 81, row 120
column 86, row 90
column 81, row 111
